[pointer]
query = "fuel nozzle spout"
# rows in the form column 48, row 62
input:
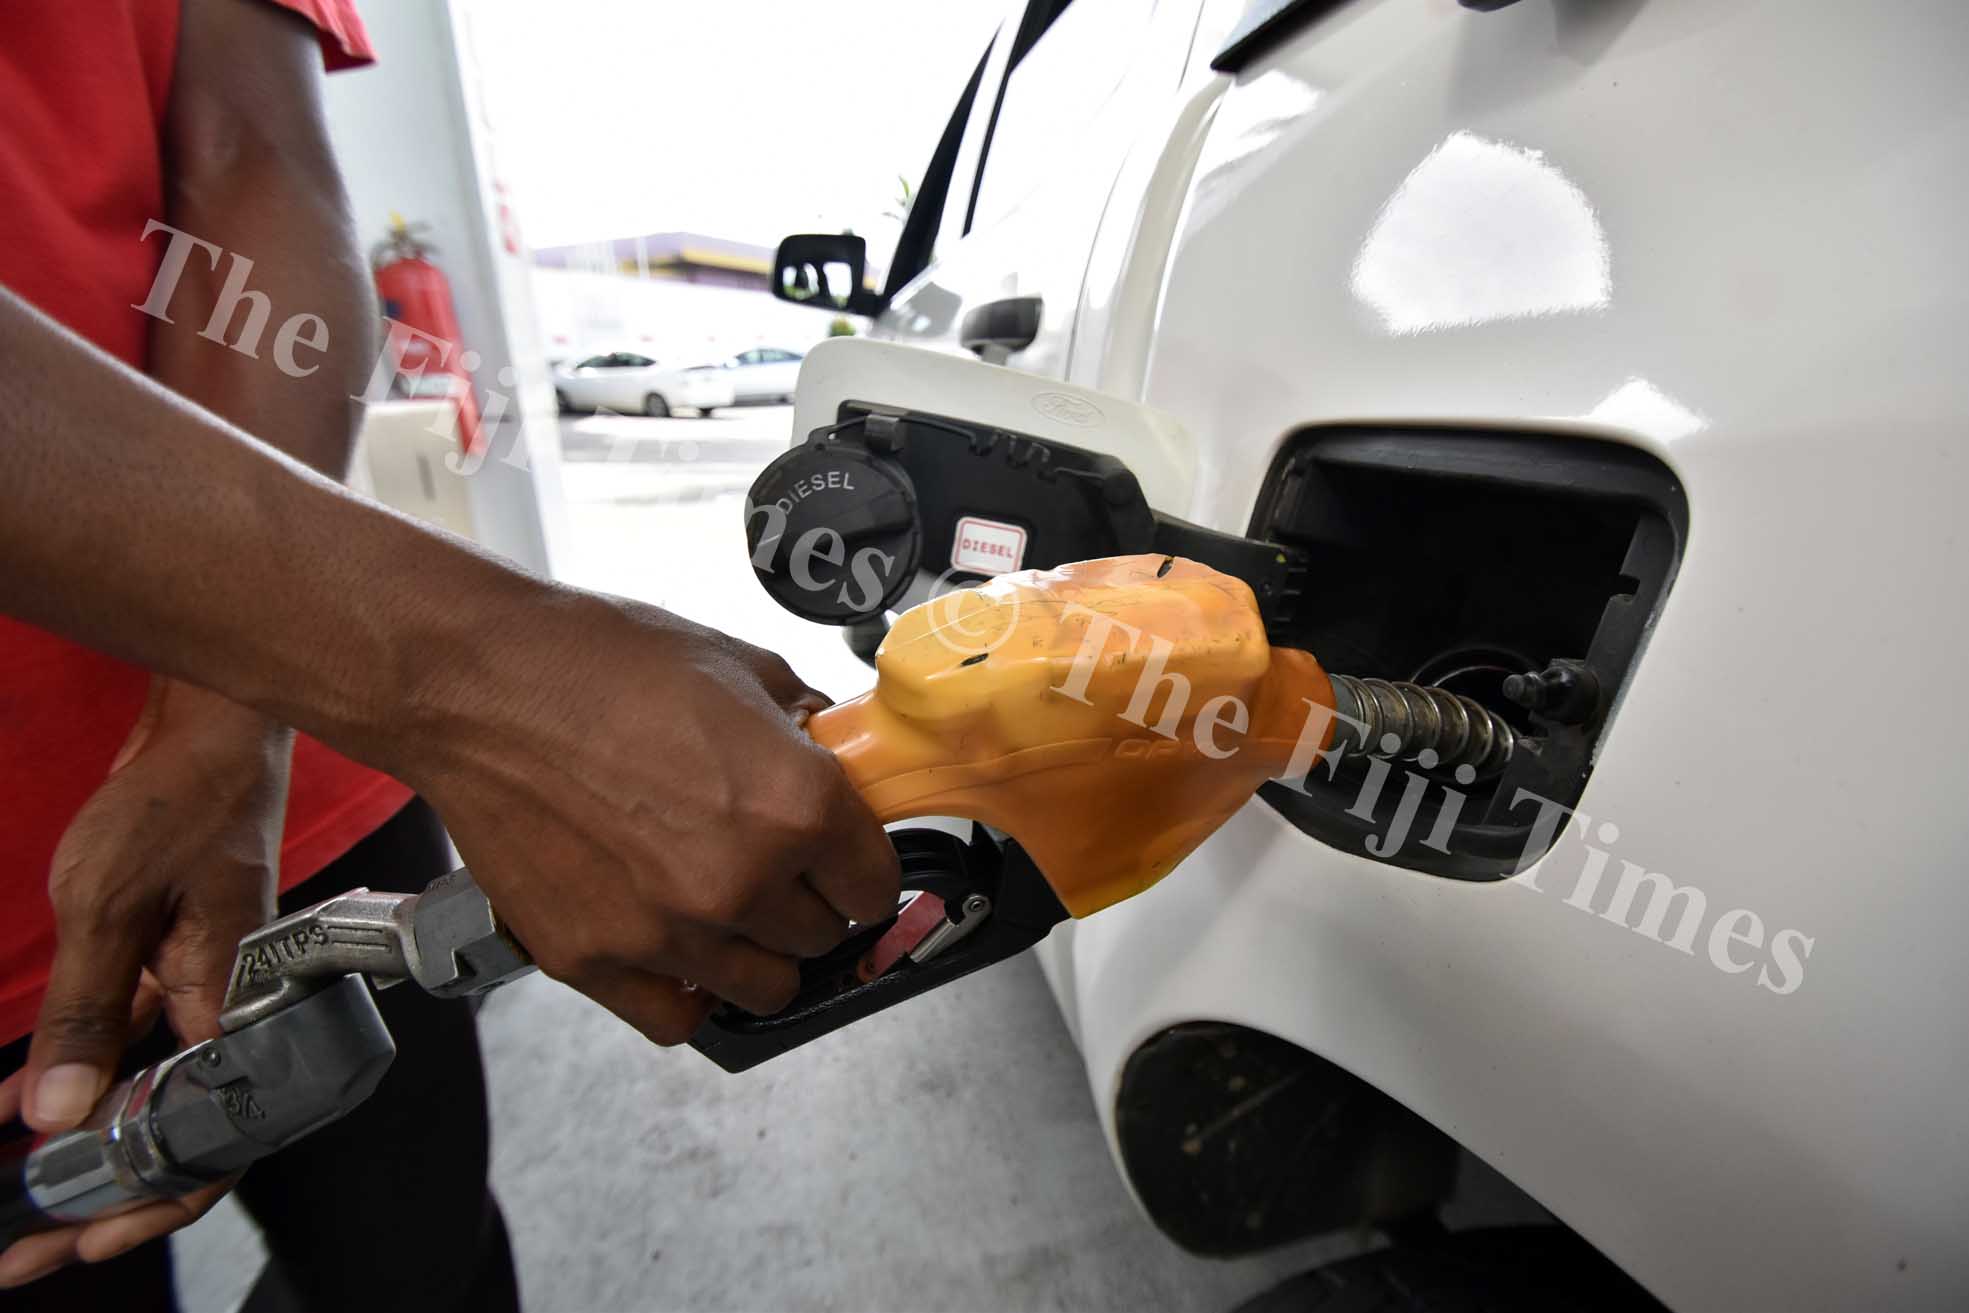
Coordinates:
column 1437, row 729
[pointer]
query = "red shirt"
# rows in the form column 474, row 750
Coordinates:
column 83, row 94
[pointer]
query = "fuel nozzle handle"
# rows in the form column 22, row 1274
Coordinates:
column 447, row 940
column 302, row 1044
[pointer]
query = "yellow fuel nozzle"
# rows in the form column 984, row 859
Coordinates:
column 1109, row 715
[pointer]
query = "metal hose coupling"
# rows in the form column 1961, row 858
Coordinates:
column 1421, row 719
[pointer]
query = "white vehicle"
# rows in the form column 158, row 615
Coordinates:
column 762, row 376
column 1621, row 339
column 631, row 383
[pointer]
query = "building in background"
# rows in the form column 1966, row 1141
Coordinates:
column 684, row 298
column 685, row 257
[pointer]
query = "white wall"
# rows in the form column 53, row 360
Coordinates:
column 412, row 138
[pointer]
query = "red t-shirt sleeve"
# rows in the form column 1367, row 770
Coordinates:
column 344, row 40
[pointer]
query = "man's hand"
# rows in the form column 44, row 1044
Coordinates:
column 166, row 866
column 41, row 1253
column 639, row 798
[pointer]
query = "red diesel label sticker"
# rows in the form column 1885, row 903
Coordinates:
column 987, row 546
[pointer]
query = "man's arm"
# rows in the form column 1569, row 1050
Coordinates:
column 249, row 170
column 142, row 525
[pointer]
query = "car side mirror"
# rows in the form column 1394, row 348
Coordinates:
column 825, row 271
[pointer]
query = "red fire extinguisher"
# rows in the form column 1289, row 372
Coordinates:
column 424, row 344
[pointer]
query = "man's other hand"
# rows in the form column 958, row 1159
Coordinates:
column 166, row 866
column 163, row 870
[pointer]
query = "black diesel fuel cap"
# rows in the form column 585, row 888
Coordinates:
column 832, row 530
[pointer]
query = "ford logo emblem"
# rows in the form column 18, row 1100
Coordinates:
column 1067, row 409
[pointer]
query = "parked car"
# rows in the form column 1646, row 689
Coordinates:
column 631, row 383
column 762, row 376
column 1615, row 337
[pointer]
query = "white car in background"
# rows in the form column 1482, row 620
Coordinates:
column 762, row 376
column 1614, row 337
column 631, row 383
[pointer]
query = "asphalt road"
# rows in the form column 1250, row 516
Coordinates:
column 747, row 437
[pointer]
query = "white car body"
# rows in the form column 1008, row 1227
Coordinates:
column 763, row 374
column 1724, row 233
column 625, row 381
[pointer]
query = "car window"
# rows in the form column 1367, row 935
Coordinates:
column 1053, row 93
column 594, row 362
column 635, row 362
column 927, row 209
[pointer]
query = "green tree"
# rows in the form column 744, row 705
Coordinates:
column 899, row 208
